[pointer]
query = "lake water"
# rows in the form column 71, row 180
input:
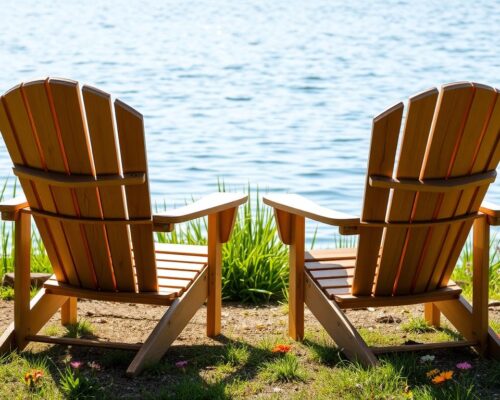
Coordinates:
column 277, row 93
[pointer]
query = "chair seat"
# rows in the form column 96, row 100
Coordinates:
column 177, row 267
column 332, row 270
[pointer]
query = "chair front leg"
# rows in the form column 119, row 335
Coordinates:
column 220, row 226
column 291, row 229
column 22, row 249
column 214, row 296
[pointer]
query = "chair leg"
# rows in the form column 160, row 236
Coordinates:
column 480, row 265
column 171, row 325
column 7, row 340
column 296, row 288
column 22, row 279
column 41, row 308
column 432, row 315
column 333, row 319
column 69, row 311
column 214, row 299
column 459, row 312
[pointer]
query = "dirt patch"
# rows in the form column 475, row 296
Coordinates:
column 132, row 323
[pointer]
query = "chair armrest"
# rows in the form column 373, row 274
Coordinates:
column 210, row 204
column 492, row 211
column 298, row 205
column 9, row 208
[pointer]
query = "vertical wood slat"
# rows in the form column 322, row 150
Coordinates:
column 446, row 238
column 15, row 127
column 416, row 132
column 133, row 154
column 384, row 141
column 19, row 159
column 44, row 129
column 487, row 157
column 447, row 127
column 66, row 98
column 99, row 115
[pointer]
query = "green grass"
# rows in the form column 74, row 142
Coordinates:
column 463, row 271
column 284, row 368
column 241, row 369
column 236, row 354
column 417, row 325
column 80, row 329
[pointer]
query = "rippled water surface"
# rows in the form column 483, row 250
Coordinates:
column 276, row 93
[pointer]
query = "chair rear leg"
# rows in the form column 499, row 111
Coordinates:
column 69, row 311
column 480, row 272
column 432, row 315
column 459, row 312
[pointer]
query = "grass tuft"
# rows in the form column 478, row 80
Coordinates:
column 81, row 329
column 285, row 368
column 417, row 325
column 236, row 354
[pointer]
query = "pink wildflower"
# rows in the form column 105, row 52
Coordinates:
column 76, row 364
column 181, row 364
column 464, row 365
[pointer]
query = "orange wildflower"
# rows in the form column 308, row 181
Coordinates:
column 32, row 377
column 432, row 373
column 442, row 377
column 281, row 348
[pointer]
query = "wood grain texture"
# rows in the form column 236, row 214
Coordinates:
column 447, row 128
column 416, row 131
column 68, row 110
column 296, row 283
column 22, row 240
column 385, row 132
column 99, row 113
column 132, row 146
column 214, row 299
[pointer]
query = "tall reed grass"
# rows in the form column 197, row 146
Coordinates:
column 254, row 260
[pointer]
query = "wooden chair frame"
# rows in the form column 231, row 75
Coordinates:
column 31, row 316
column 471, row 321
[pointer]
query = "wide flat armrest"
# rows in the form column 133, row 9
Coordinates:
column 210, row 204
column 298, row 205
column 492, row 211
column 9, row 208
column 15, row 204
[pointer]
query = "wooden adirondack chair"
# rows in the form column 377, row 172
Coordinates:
column 416, row 217
column 86, row 186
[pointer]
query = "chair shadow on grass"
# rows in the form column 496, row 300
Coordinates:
column 206, row 374
column 210, row 370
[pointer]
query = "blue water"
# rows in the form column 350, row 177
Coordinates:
column 277, row 93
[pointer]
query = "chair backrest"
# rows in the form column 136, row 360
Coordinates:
column 429, row 199
column 82, row 166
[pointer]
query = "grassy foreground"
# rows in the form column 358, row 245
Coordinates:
column 237, row 367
